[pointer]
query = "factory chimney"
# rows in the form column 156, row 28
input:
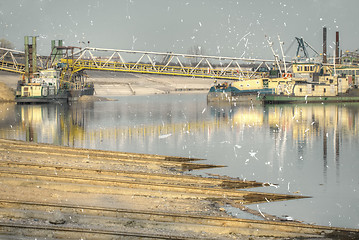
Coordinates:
column 324, row 45
column 337, row 57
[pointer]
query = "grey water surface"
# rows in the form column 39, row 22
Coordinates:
column 308, row 149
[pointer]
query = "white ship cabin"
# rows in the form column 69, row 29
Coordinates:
column 50, row 78
column 44, row 83
column 309, row 71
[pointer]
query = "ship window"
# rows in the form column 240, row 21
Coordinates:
column 331, row 81
column 300, row 90
column 306, row 68
column 311, row 68
column 241, row 85
column 313, row 87
column 247, row 85
column 325, row 90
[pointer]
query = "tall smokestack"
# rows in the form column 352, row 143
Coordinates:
column 337, row 57
column 324, row 45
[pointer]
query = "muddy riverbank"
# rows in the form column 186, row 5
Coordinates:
column 60, row 192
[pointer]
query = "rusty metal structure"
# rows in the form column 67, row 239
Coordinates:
column 30, row 57
column 337, row 57
column 325, row 45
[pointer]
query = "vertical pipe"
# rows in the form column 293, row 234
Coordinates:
column 53, row 51
column 34, row 55
column 52, row 45
column 324, row 45
column 60, row 52
column 26, row 42
column 337, row 57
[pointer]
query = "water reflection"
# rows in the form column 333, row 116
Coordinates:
column 302, row 123
column 90, row 123
column 310, row 149
column 7, row 115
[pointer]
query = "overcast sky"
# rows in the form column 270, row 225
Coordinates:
column 225, row 28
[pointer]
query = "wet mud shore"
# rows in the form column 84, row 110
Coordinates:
column 58, row 192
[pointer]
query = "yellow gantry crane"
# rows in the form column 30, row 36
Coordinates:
column 174, row 64
column 161, row 63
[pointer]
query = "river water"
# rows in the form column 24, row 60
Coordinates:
column 310, row 149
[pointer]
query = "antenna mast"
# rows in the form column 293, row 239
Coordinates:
column 281, row 48
column 275, row 55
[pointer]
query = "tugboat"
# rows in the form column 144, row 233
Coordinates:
column 44, row 87
column 313, row 83
column 319, row 82
column 308, row 82
column 59, row 84
column 47, row 86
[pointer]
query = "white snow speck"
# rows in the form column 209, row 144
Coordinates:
column 260, row 212
column 165, row 136
column 253, row 154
